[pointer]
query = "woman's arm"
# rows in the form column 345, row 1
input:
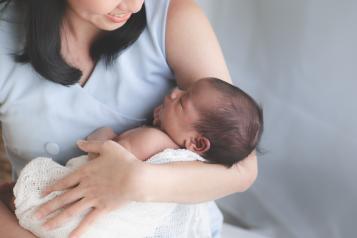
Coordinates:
column 117, row 177
column 9, row 226
column 193, row 53
column 192, row 47
column 191, row 182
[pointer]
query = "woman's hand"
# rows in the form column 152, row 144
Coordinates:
column 104, row 184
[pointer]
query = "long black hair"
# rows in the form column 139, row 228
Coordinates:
column 43, row 20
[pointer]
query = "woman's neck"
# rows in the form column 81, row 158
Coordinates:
column 77, row 36
column 77, row 31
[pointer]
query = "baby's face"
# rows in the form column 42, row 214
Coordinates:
column 180, row 111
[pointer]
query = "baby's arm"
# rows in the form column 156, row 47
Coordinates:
column 143, row 142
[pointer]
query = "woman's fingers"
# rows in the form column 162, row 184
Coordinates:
column 92, row 146
column 99, row 147
column 69, row 181
column 73, row 210
column 90, row 218
column 59, row 202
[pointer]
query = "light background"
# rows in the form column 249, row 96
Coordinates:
column 298, row 58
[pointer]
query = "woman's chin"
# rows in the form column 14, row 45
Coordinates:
column 106, row 25
column 111, row 27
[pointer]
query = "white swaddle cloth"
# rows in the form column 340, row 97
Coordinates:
column 159, row 220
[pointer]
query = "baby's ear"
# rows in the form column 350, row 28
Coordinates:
column 198, row 144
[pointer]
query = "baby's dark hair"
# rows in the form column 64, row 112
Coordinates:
column 233, row 126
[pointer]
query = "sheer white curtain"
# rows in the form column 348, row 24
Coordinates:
column 299, row 59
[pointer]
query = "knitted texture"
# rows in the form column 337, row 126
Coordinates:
column 135, row 220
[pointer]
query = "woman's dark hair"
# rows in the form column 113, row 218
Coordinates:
column 43, row 20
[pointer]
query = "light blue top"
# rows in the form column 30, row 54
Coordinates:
column 42, row 118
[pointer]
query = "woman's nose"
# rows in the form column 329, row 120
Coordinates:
column 132, row 6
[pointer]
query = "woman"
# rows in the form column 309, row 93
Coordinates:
column 84, row 64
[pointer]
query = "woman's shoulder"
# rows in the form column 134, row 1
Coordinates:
column 152, row 40
column 156, row 13
column 156, row 7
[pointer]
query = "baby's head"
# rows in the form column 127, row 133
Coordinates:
column 212, row 118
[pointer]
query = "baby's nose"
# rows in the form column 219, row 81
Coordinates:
column 174, row 93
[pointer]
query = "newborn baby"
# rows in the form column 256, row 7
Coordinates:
column 212, row 118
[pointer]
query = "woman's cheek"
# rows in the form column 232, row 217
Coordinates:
column 101, row 7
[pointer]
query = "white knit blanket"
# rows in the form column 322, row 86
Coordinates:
column 136, row 220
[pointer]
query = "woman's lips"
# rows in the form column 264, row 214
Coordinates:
column 118, row 18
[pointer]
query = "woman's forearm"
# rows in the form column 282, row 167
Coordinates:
column 9, row 227
column 191, row 182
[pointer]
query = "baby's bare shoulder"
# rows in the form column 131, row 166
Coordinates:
column 149, row 134
column 145, row 142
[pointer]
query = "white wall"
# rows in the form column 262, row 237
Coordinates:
column 299, row 59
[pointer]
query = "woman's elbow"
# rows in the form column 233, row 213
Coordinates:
column 251, row 177
column 248, row 170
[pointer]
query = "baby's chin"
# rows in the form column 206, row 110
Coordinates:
column 156, row 122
